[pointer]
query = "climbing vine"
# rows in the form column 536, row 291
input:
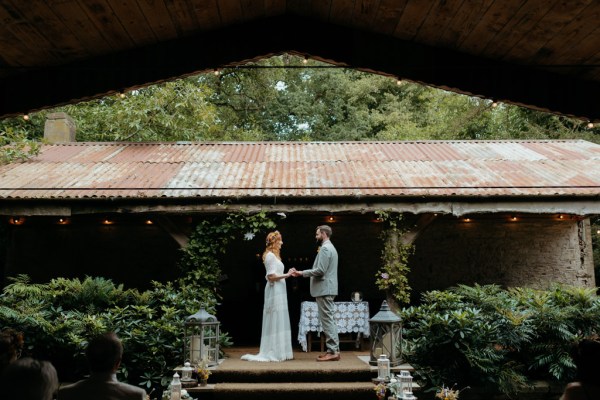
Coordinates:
column 392, row 276
column 200, row 260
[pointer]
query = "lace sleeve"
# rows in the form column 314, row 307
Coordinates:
column 270, row 263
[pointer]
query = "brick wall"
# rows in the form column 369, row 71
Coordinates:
column 533, row 251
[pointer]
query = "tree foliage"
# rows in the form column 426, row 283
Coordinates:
column 281, row 98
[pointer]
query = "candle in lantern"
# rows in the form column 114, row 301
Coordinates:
column 195, row 350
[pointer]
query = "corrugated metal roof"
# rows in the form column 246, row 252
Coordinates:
column 282, row 169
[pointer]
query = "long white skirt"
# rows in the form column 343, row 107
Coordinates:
column 276, row 337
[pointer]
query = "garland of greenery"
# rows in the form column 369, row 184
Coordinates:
column 392, row 276
column 200, row 260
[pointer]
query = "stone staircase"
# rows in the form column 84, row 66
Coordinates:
column 302, row 378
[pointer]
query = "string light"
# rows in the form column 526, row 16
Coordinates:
column 494, row 104
column 330, row 218
column 17, row 221
column 399, row 82
column 26, row 117
column 149, row 222
column 467, row 219
column 216, row 72
column 513, row 218
column 305, row 60
column 590, row 125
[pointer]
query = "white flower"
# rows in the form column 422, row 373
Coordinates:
column 248, row 236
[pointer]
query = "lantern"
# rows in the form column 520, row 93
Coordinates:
column 386, row 336
column 383, row 368
column 405, row 385
column 201, row 339
column 186, row 376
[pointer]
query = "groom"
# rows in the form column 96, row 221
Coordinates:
column 324, row 288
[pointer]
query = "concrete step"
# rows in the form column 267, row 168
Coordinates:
column 285, row 390
column 299, row 379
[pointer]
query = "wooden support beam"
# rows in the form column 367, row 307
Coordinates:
column 173, row 229
column 543, row 89
column 422, row 223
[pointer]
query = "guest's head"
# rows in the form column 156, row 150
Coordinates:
column 11, row 345
column 29, row 379
column 586, row 356
column 104, row 353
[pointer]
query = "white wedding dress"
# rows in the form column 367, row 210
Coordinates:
column 276, row 338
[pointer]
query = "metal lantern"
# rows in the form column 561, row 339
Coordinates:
column 386, row 336
column 201, row 339
column 383, row 368
column 405, row 385
column 187, row 381
column 186, row 372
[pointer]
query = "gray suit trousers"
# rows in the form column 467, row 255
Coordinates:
column 327, row 320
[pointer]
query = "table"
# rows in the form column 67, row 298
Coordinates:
column 351, row 317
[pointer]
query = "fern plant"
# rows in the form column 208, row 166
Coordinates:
column 497, row 339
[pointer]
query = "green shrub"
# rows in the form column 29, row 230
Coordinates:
column 59, row 317
column 497, row 339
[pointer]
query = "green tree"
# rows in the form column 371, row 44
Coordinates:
column 281, row 98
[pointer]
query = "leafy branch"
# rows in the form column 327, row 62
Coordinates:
column 392, row 276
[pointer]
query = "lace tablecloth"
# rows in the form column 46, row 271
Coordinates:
column 350, row 317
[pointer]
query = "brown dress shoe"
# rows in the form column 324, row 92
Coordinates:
column 330, row 357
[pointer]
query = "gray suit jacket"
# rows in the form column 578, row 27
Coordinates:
column 323, row 275
column 101, row 386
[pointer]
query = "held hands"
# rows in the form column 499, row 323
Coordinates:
column 293, row 272
column 290, row 272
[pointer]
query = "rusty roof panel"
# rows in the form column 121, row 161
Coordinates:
column 306, row 169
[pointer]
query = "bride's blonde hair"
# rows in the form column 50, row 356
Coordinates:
column 272, row 239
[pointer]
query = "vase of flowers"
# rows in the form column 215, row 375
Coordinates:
column 203, row 373
column 380, row 390
column 446, row 393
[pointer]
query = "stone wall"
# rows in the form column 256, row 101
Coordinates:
column 532, row 251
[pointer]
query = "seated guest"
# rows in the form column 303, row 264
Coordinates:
column 104, row 355
column 11, row 344
column 29, row 379
column 587, row 386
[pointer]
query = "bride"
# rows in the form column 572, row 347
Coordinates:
column 276, row 338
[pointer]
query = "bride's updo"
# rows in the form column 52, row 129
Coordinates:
column 272, row 239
